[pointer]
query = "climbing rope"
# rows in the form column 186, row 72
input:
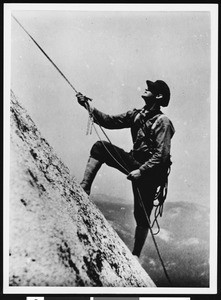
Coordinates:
column 124, row 167
column 56, row 67
column 160, row 197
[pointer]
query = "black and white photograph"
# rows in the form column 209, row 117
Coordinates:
column 110, row 149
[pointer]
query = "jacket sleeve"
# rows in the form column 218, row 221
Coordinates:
column 162, row 134
column 119, row 121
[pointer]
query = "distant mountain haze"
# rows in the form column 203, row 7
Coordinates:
column 183, row 240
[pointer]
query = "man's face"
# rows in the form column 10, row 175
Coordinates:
column 147, row 93
column 148, row 96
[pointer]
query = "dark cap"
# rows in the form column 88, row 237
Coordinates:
column 160, row 87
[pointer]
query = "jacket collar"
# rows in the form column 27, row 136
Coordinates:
column 148, row 114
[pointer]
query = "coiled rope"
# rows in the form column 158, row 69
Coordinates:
column 116, row 160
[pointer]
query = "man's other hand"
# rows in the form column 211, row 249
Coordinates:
column 134, row 175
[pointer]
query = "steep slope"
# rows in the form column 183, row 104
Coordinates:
column 58, row 237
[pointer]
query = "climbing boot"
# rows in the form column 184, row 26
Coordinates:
column 92, row 167
column 140, row 237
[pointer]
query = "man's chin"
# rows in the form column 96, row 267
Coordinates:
column 144, row 97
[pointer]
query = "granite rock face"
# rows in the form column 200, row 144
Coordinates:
column 57, row 236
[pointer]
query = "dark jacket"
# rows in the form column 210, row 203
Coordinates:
column 151, row 134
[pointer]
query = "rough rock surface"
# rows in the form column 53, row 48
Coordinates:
column 58, row 237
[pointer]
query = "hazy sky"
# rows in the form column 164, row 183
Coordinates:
column 108, row 55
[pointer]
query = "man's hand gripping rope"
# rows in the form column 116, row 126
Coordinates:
column 83, row 100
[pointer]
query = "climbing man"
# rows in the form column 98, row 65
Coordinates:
column 147, row 163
